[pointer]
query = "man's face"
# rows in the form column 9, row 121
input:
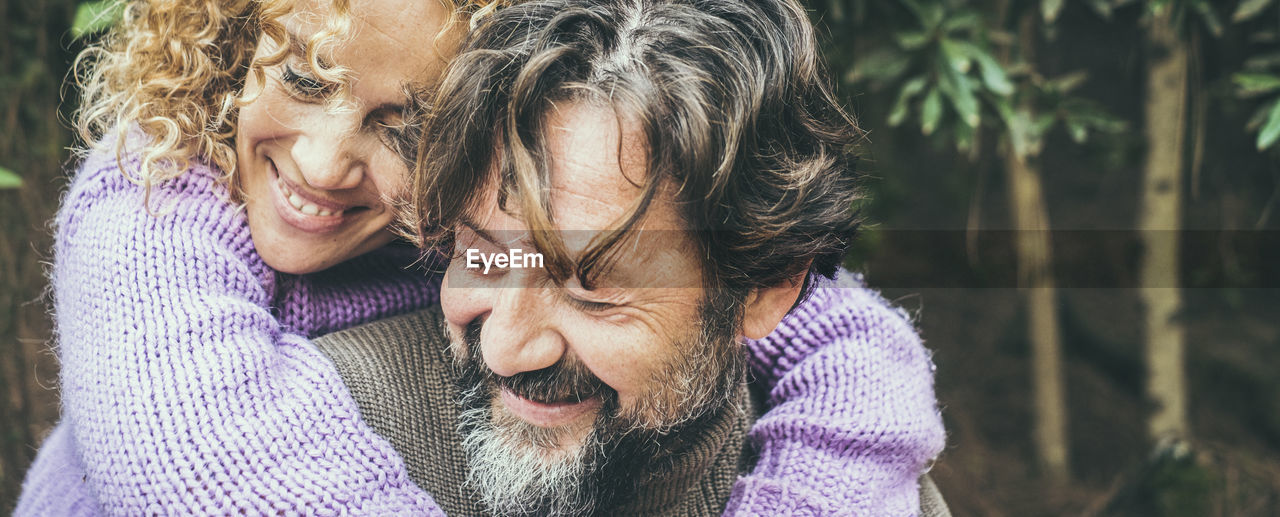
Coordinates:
column 560, row 381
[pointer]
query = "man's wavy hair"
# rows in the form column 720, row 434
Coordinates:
column 176, row 70
column 732, row 104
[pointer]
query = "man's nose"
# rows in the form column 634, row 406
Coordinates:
column 518, row 336
column 328, row 156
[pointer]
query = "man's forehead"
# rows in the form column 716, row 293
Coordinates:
column 598, row 164
column 598, row 168
column 597, row 175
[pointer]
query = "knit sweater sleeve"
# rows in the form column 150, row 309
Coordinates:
column 851, row 421
column 387, row 282
column 182, row 392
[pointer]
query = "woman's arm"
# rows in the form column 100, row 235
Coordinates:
column 55, row 482
column 387, row 282
column 181, row 391
column 852, row 420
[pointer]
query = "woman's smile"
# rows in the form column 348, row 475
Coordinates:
column 305, row 211
column 320, row 183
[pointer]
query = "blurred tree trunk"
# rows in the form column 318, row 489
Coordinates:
column 1034, row 248
column 1035, row 272
column 33, row 61
column 1159, row 223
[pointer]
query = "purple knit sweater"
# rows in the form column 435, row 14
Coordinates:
column 189, row 387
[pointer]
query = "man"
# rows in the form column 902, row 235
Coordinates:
column 681, row 171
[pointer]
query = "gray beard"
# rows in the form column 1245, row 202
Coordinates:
column 516, row 468
column 519, row 469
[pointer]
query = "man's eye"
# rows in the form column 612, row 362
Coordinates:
column 589, row 306
column 304, row 85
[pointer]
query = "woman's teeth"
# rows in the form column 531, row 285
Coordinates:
column 303, row 206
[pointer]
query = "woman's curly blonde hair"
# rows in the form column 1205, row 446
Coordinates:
column 176, row 70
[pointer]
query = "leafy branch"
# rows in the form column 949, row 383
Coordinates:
column 9, row 179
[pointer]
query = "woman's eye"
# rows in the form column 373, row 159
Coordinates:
column 304, row 85
column 394, row 134
column 396, row 128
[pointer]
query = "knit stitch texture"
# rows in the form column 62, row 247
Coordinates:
column 189, row 386
column 852, row 421
column 182, row 392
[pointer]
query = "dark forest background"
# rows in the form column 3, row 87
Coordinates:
column 1075, row 199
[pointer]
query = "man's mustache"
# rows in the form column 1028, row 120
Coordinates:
column 566, row 381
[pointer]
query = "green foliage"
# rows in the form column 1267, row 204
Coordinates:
column 943, row 74
column 96, row 16
column 1266, row 120
column 1049, row 10
column 942, row 71
column 1255, row 83
column 940, row 67
column 1207, row 15
column 1260, row 77
column 9, row 179
column 1103, row 8
column 1200, row 9
column 1044, row 103
column 930, row 112
column 1181, row 486
column 1249, row 8
column 1270, row 131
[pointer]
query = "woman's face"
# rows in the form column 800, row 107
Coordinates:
column 320, row 185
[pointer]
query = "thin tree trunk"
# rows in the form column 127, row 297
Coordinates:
column 1035, row 272
column 1034, row 248
column 1159, row 221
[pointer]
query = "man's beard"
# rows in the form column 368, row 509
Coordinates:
column 518, row 468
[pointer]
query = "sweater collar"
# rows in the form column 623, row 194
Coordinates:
column 701, row 456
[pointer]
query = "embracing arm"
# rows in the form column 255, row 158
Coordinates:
column 181, row 391
column 380, row 284
column 852, row 420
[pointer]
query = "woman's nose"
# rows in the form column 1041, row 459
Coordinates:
column 327, row 156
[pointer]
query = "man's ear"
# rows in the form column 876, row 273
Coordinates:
column 766, row 306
